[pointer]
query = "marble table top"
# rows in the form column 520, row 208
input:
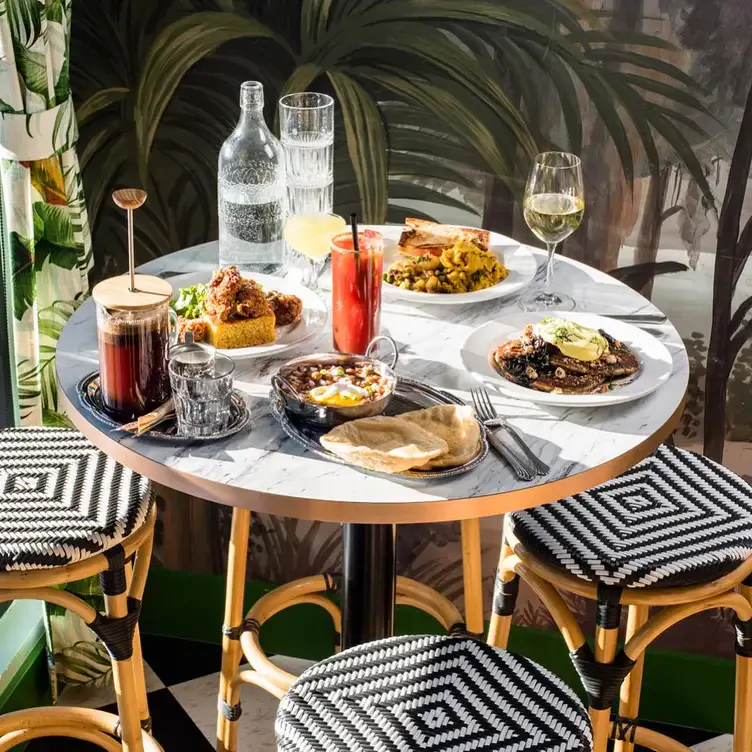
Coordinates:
column 263, row 470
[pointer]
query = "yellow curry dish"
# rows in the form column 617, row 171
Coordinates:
column 460, row 268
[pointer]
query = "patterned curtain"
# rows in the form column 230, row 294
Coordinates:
column 43, row 201
column 47, row 234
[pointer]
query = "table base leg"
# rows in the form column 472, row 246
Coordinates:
column 368, row 583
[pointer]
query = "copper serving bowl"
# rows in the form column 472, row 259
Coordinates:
column 329, row 416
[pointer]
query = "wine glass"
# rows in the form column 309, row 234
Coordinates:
column 554, row 205
column 310, row 236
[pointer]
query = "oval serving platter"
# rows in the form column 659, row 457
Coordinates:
column 90, row 396
column 409, row 395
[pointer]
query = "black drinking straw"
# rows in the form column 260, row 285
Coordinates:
column 356, row 248
column 354, row 228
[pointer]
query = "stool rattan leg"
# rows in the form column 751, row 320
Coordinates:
column 504, row 599
column 743, row 706
column 629, row 697
column 124, row 680
column 473, row 576
column 136, row 577
column 606, row 643
column 233, row 624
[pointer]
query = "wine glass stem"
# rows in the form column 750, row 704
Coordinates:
column 309, row 272
column 550, row 267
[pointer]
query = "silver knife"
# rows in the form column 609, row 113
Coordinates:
column 636, row 318
column 505, row 444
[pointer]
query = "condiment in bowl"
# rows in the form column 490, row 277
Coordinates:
column 331, row 388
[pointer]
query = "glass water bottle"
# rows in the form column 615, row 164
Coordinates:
column 252, row 192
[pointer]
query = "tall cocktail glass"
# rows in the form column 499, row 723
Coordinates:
column 356, row 290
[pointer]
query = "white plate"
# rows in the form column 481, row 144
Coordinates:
column 655, row 360
column 518, row 259
column 311, row 321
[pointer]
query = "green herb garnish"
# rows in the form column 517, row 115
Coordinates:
column 190, row 302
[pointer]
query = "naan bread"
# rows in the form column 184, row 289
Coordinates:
column 422, row 237
column 388, row 445
column 455, row 424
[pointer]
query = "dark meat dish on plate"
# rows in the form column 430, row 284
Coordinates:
column 287, row 308
column 559, row 356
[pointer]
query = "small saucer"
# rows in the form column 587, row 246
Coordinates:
column 91, row 399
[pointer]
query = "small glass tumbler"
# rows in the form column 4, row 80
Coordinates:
column 201, row 381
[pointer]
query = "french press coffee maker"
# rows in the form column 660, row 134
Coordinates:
column 133, row 326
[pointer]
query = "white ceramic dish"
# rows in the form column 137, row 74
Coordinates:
column 518, row 259
column 311, row 322
column 655, row 359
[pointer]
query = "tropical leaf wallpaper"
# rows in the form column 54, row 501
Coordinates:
column 451, row 98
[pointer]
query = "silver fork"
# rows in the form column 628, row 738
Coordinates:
column 491, row 419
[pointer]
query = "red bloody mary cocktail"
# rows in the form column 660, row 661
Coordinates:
column 356, row 290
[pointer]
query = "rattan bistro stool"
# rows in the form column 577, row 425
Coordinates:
column 444, row 694
column 241, row 635
column 674, row 531
column 313, row 590
column 67, row 511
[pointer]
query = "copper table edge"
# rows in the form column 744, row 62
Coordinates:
column 440, row 510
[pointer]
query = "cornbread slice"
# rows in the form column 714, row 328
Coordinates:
column 235, row 333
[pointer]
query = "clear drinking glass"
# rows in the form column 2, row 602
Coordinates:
column 310, row 235
column 201, row 382
column 554, row 205
column 306, row 126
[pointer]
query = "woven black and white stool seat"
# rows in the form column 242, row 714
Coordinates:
column 675, row 519
column 445, row 694
column 62, row 500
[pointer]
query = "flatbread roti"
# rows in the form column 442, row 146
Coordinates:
column 455, row 424
column 384, row 444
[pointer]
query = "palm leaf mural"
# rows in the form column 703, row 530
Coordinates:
column 418, row 85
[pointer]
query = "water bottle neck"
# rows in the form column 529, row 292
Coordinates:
column 252, row 117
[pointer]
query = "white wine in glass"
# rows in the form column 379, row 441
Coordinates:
column 554, row 206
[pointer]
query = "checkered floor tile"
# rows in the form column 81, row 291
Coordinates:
column 182, row 682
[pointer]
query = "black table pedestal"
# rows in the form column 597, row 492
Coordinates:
column 368, row 583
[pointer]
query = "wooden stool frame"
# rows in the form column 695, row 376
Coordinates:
column 607, row 670
column 240, row 636
column 123, row 583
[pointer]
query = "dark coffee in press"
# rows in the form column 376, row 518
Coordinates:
column 133, row 360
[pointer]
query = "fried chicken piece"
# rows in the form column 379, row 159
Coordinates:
column 220, row 302
column 286, row 308
column 198, row 327
column 251, row 301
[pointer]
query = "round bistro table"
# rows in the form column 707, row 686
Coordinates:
column 262, row 470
